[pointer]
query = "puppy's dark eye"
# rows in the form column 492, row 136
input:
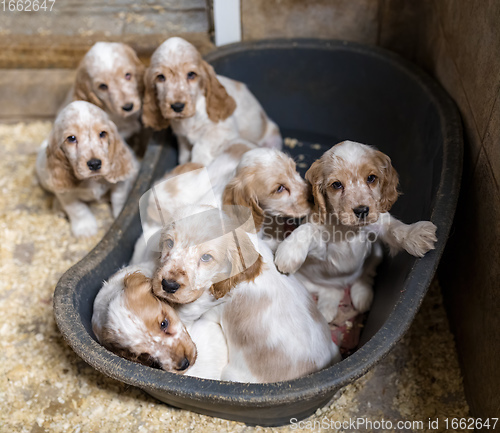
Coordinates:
column 103, row 134
column 164, row 325
column 206, row 257
column 337, row 185
column 103, row 86
column 371, row 178
column 71, row 139
column 169, row 243
column 191, row 75
column 128, row 76
column 160, row 78
column 281, row 188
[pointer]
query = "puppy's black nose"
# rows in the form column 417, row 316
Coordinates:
column 170, row 286
column 128, row 107
column 94, row 164
column 183, row 365
column 361, row 211
column 178, row 107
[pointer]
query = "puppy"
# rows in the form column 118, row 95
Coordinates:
column 266, row 180
column 83, row 159
column 354, row 187
column 187, row 184
column 131, row 322
column 111, row 76
column 206, row 110
column 274, row 332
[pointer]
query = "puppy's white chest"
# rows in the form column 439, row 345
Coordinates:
column 339, row 258
column 193, row 128
column 92, row 189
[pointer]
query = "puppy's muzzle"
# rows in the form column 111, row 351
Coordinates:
column 94, row 164
column 170, row 286
column 128, row 107
column 178, row 107
column 361, row 211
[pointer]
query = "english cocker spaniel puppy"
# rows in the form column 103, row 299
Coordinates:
column 84, row 159
column 206, row 111
column 266, row 181
column 354, row 187
column 210, row 263
column 111, row 76
column 134, row 324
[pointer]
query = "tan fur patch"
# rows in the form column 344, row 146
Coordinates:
column 220, row 105
column 248, row 332
column 61, row 175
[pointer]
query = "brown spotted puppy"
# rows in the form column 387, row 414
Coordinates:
column 267, row 181
column 133, row 323
column 85, row 158
column 211, row 265
column 354, row 187
column 206, row 111
column 111, row 76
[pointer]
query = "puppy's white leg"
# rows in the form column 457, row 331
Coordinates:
column 417, row 239
column 83, row 222
column 119, row 194
column 362, row 288
column 202, row 154
column 292, row 252
column 184, row 149
column 328, row 302
column 362, row 295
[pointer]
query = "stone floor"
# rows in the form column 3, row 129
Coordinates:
column 45, row 387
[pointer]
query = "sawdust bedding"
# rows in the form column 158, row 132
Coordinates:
column 45, row 387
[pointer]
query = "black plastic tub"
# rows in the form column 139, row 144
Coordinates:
column 320, row 92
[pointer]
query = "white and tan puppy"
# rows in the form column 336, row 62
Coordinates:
column 111, row 76
column 206, row 111
column 131, row 322
column 84, row 159
column 354, row 187
column 273, row 329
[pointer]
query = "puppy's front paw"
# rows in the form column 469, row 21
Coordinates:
column 288, row 259
column 329, row 306
column 361, row 296
column 420, row 238
column 84, row 227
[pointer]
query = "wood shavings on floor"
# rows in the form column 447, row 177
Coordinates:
column 45, row 387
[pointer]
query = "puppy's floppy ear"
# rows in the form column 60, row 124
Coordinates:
column 238, row 192
column 83, row 87
column 119, row 155
column 315, row 177
column 61, row 175
column 151, row 113
column 220, row 105
column 239, row 272
column 389, row 180
column 139, row 67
